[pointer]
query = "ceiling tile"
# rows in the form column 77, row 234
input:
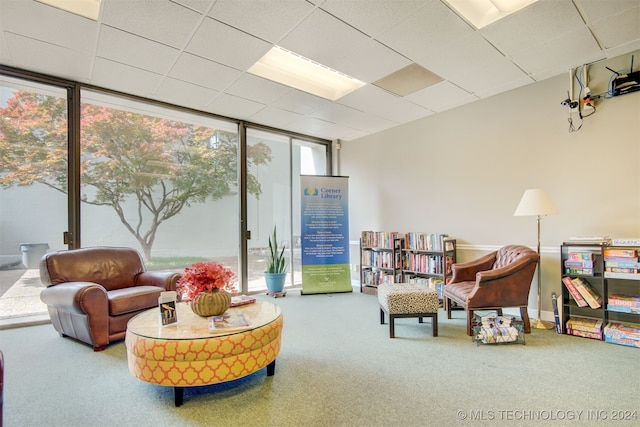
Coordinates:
column 536, row 24
column 324, row 39
column 425, row 31
column 197, row 5
column 597, row 10
column 160, row 20
column 371, row 99
column 557, row 56
column 441, row 97
column 265, row 91
column 234, row 107
column 268, row 20
column 200, row 71
column 350, row 117
column 129, row 49
column 371, row 62
column 226, row 45
column 42, row 22
column 108, row 74
column 372, row 16
column 300, row 102
column 184, row 94
column 47, row 58
column 274, row 117
column 618, row 29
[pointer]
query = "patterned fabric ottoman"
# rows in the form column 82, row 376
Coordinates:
column 408, row 300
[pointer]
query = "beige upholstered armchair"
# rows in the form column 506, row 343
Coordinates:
column 92, row 293
column 496, row 280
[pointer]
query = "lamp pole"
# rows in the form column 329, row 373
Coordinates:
column 539, row 323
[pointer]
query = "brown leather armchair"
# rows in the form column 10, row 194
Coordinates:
column 91, row 293
column 496, row 280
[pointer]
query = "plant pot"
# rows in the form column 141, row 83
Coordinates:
column 212, row 303
column 275, row 281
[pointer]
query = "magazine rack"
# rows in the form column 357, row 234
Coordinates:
column 498, row 330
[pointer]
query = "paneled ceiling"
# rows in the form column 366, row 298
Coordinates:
column 196, row 53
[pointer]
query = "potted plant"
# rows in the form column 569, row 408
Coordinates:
column 207, row 286
column 276, row 272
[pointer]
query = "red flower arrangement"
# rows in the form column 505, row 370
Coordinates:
column 204, row 277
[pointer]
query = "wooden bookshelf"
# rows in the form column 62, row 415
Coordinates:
column 613, row 275
column 415, row 257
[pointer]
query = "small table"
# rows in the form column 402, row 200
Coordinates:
column 186, row 354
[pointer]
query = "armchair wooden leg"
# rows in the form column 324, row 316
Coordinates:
column 525, row 319
column 469, row 319
column 448, row 307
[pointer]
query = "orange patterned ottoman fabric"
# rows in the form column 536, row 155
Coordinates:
column 192, row 362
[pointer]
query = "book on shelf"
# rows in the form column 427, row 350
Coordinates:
column 588, row 292
column 621, row 270
column 420, row 241
column 624, row 300
column 584, row 324
column 625, row 241
column 577, row 296
column 622, row 333
column 619, row 252
column 616, row 263
column 579, row 271
column 589, row 240
column 379, row 239
column 167, row 304
column 580, row 256
column 628, row 276
column 238, row 300
column 584, row 327
column 578, row 264
column 228, row 322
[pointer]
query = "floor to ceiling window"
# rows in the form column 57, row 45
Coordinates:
column 33, row 188
column 277, row 204
column 161, row 179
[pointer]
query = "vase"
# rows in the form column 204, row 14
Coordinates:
column 275, row 281
column 212, row 303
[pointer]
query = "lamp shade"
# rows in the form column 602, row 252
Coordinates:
column 535, row 201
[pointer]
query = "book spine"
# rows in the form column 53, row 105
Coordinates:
column 574, row 292
column 581, row 271
column 629, row 276
column 578, row 264
column 626, row 242
column 620, row 270
column 580, row 256
column 622, row 264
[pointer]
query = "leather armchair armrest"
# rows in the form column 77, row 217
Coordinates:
column 466, row 271
column 75, row 297
column 163, row 279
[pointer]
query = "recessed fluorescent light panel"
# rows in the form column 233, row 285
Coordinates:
column 484, row 12
column 87, row 8
column 291, row 69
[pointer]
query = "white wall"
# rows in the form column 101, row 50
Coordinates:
column 463, row 171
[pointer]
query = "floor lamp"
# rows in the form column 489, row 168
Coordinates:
column 537, row 202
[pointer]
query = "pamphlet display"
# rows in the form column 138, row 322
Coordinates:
column 167, row 304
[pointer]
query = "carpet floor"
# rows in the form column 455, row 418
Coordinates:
column 337, row 367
